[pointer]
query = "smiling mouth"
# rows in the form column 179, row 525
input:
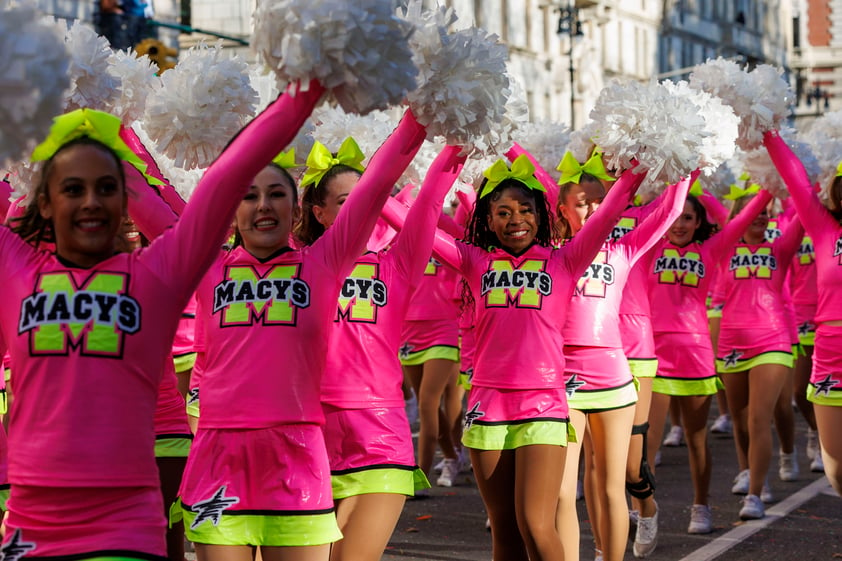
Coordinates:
column 91, row 225
column 518, row 234
column 265, row 224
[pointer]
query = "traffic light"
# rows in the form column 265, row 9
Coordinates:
column 158, row 53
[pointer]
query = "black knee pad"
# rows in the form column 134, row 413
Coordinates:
column 644, row 488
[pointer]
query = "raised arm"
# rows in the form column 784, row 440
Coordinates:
column 585, row 245
column 669, row 207
column 728, row 236
column 414, row 243
column 790, row 240
column 815, row 217
column 717, row 212
column 150, row 213
column 167, row 191
column 345, row 240
column 191, row 245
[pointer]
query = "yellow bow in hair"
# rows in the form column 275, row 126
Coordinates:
column 320, row 160
column 738, row 192
column 522, row 170
column 839, row 169
column 286, row 159
column 696, row 189
column 98, row 125
column 571, row 170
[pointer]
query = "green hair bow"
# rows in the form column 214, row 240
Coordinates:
column 738, row 192
column 320, row 160
column 286, row 159
column 98, row 125
column 522, row 170
column 839, row 169
column 696, row 189
column 571, row 170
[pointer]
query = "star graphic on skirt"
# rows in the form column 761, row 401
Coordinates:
column 15, row 548
column 473, row 415
column 573, row 384
column 826, row 385
column 805, row 328
column 404, row 350
column 732, row 358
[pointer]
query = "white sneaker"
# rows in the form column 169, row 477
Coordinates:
column 634, row 515
column 438, row 466
column 766, row 494
column 817, row 465
column 465, row 460
column 646, row 536
column 788, row 466
column 674, row 437
column 701, row 521
column 812, row 443
column 449, row 472
column 741, row 483
column 722, row 425
column 753, row 508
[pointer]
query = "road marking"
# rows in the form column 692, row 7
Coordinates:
column 720, row 545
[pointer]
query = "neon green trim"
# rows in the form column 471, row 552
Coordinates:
column 439, row 351
column 379, row 480
column 464, row 380
column 175, row 447
column 680, row 387
column 184, row 362
column 511, row 436
column 714, row 313
column 808, row 339
column 259, row 529
column 4, row 498
column 7, row 374
column 771, row 357
column 193, row 408
column 4, row 402
column 604, row 399
column 643, row 368
column 833, row 398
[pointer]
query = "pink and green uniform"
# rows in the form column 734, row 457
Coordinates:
column 679, row 280
column 89, row 347
column 803, row 286
column 367, row 434
column 265, row 326
column 599, row 376
column 756, row 328
column 826, row 234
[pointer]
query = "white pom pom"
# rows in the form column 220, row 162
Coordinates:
column 720, row 122
column 823, row 138
column 547, row 141
column 358, row 50
column 719, row 182
column 184, row 181
column 33, row 73
column 462, row 86
column 582, row 141
column 759, row 165
column 664, row 132
column 91, row 84
column 23, row 177
column 760, row 98
column 138, row 78
column 265, row 84
column 205, row 100
column 369, row 131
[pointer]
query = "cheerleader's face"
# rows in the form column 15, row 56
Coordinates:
column 684, row 228
column 756, row 231
column 266, row 214
column 338, row 189
column 513, row 217
column 580, row 203
column 85, row 199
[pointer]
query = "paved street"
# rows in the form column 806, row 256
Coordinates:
column 805, row 522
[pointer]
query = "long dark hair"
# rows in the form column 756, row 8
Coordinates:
column 238, row 238
column 35, row 229
column 563, row 228
column 308, row 229
column 834, row 197
column 706, row 229
column 478, row 232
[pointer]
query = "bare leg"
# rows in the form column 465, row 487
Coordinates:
column 303, row 553
column 536, row 470
column 610, row 434
column 567, row 519
column 694, row 415
column 636, row 451
column 785, row 415
column 736, row 387
column 367, row 522
column 205, row 552
column 765, row 382
column 829, row 419
column 803, row 368
column 495, row 475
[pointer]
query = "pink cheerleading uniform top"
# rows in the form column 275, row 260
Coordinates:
column 592, row 319
column 680, row 277
column 90, row 345
column 521, row 301
column 435, row 294
column 635, row 299
column 824, row 230
column 803, row 282
column 753, row 278
column 170, row 416
column 363, row 369
column 184, row 343
column 265, row 323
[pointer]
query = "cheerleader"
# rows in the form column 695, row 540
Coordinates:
column 823, row 226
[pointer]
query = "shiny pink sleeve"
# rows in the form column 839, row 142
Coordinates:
column 725, row 239
column 168, row 192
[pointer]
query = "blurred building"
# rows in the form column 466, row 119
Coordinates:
column 817, row 56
